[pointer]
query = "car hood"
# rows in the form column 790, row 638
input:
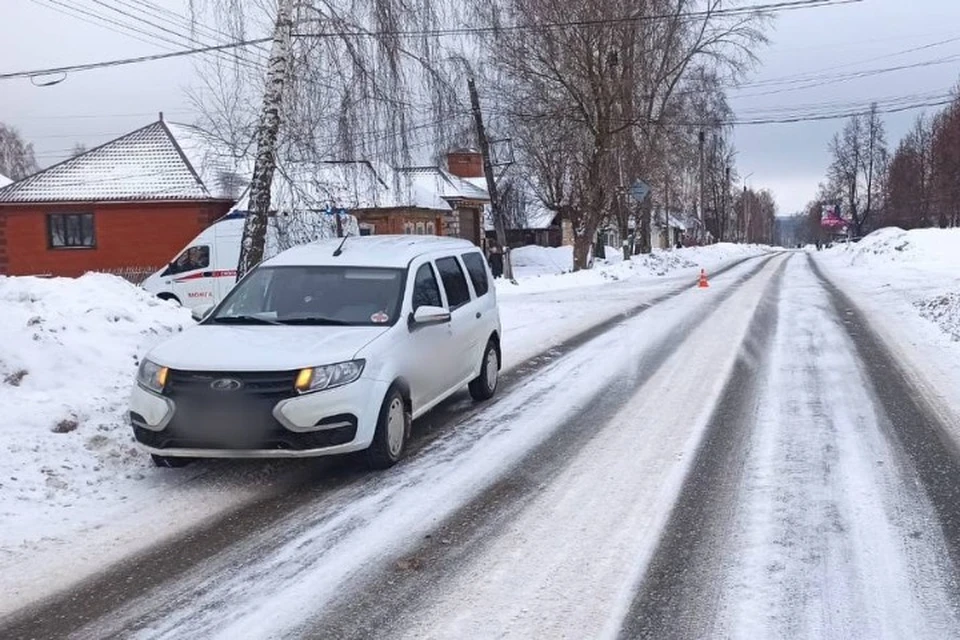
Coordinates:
column 261, row 347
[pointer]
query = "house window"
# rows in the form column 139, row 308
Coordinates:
column 421, row 229
column 367, row 229
column 408, row 228
column 431, row 229
column 71, row 230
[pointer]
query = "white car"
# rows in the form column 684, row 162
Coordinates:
column 328, row 348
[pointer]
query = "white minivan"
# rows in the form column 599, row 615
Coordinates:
column 328, row 348
column 206, row 269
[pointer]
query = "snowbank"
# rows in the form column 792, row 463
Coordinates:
column 939, row 248
column 69, row 349
column 919, row 268
column 538, row 269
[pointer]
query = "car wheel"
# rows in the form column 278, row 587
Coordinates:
column 170, row 462
column 485, row 385
column 393, row 429
column 170, row 297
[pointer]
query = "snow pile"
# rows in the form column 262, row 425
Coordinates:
column 69, row 350
column 944, row 310
column 939, row 247
column 539, row 269
column 921, row 268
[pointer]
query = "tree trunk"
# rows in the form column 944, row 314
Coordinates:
column 645, row 244
column 255, row 225
column 582, row 244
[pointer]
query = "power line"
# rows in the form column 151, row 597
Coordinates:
column 127, row 61
column 745, row 10
column 771, row 7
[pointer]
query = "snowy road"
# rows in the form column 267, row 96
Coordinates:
column 745, row 461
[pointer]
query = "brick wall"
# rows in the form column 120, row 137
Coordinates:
column 130, row 236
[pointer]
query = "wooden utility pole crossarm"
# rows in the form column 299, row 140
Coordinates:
column 499, row 224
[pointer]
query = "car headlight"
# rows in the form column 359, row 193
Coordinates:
column 152, row 376
column 329, row 376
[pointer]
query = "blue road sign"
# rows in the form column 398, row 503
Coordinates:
column 639, row 191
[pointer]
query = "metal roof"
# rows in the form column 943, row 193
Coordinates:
column 161, row 161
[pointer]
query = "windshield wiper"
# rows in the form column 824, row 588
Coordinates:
column 315, row 320
column 245, row 319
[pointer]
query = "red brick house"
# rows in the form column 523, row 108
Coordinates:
column 125, row 207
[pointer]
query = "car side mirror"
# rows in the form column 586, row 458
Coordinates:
column 201, row 312
column 425, row 316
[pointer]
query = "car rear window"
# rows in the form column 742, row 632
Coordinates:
column 478, row 273
column 454, row 282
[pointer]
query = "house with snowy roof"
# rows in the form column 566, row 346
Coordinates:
column 130, row 205
column 422, row 200
column 125, row 207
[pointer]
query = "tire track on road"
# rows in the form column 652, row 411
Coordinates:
column 676, row 588
column 818, row 501
column 384, row 604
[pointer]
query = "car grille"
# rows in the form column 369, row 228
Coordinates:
column 272, row 384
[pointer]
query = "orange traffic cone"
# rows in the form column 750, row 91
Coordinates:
column 703, row 284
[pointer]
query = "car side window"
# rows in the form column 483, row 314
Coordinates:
column 190, row 260
column 478, row 273
column 426, row 292
column 454, row 282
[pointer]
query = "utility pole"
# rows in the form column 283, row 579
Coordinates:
column 498, row 223
column 703, row 199
column 255, row 225
column 726, row 190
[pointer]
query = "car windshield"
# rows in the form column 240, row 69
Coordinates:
column 310, row 295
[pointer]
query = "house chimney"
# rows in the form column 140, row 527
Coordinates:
column 465, row 163
column 161, row 116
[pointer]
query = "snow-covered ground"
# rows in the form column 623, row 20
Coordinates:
column 69, row 350
column 72, row 481
column 539, row 269
column 908, row 282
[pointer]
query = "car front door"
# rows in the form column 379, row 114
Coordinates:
column 462, row 319
column 429, row 359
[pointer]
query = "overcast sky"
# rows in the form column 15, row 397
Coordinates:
column 790, row 159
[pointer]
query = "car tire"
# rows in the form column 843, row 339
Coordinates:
column 393, row 431
column 170, row 297
column 169, row 462
column 485, row 385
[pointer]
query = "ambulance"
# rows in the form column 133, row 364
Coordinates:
column 206, row 269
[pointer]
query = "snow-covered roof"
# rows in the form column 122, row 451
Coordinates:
column 444, row 184
column 161, row 161
column 4, row 180
column 361, row 184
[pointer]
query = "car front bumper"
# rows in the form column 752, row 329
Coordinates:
column 330, row 422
